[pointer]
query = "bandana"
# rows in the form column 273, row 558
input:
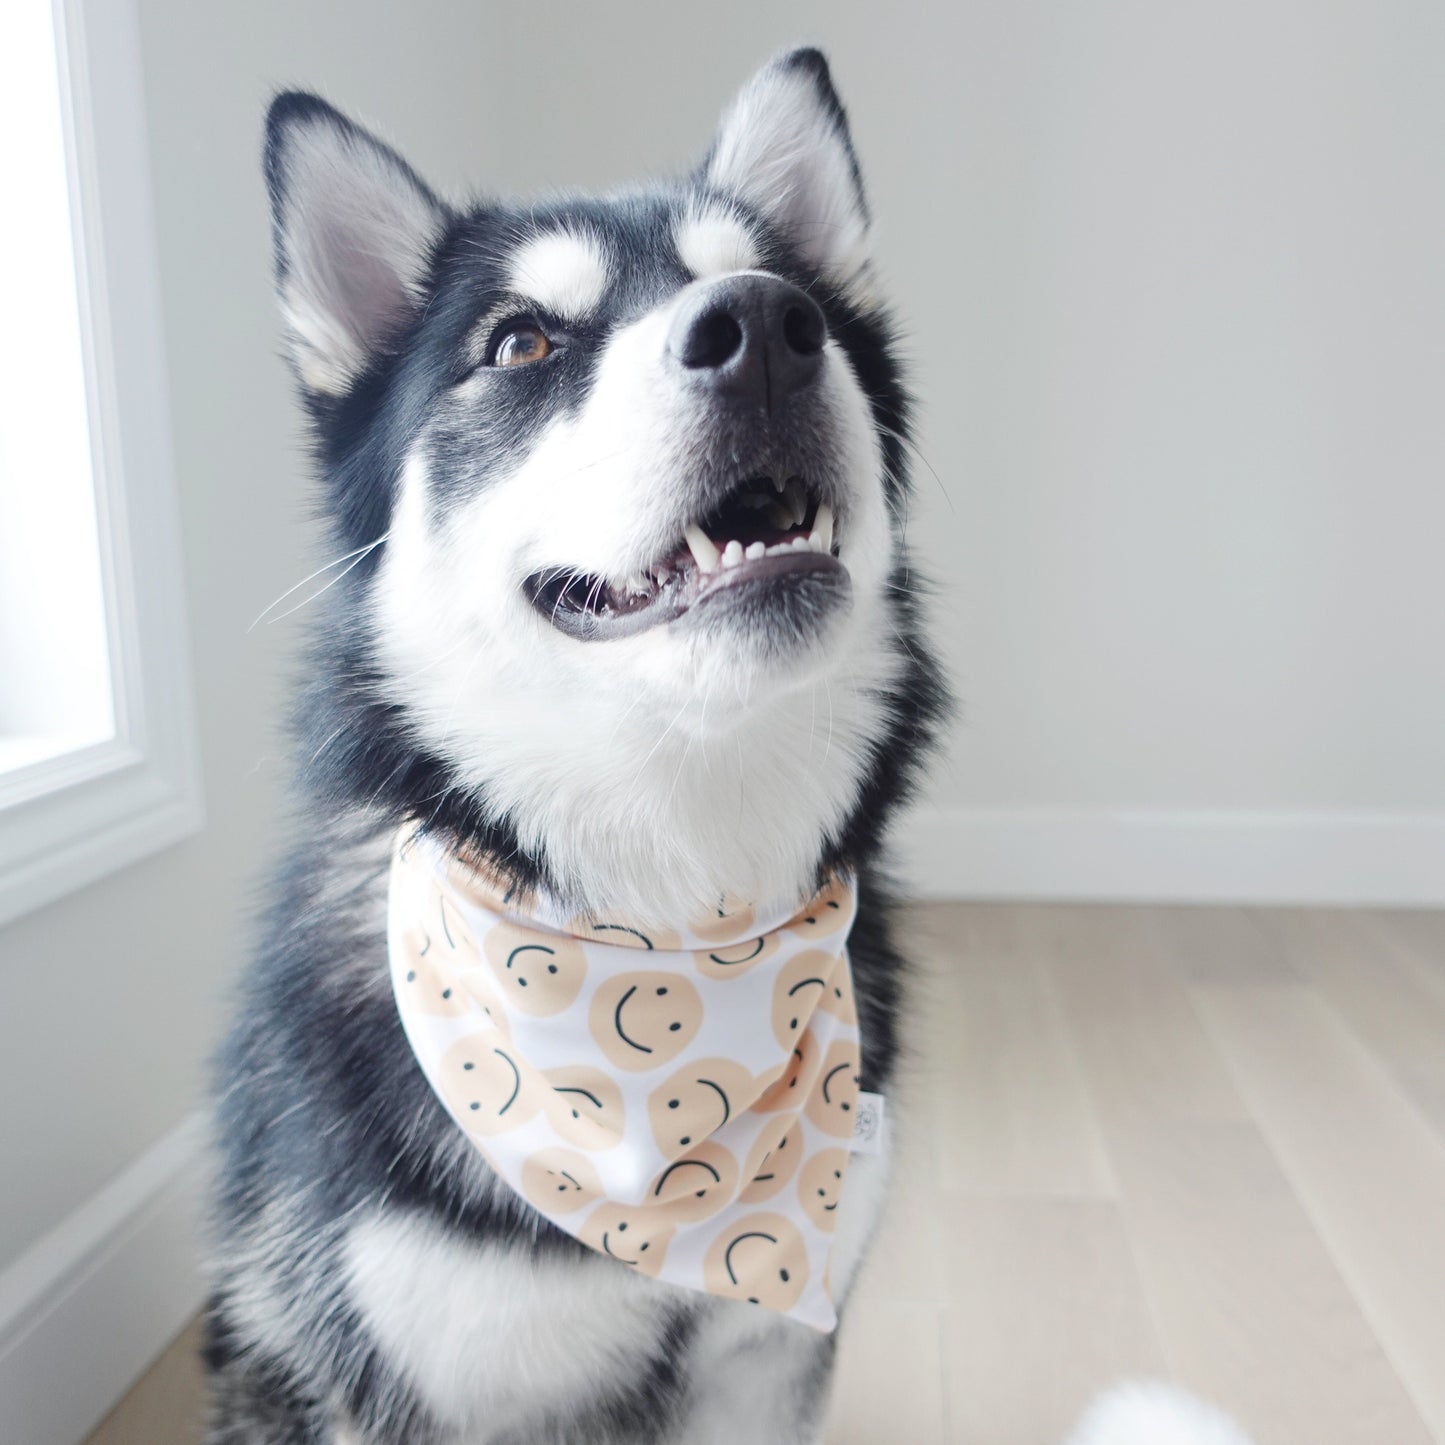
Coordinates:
column 679, row 1099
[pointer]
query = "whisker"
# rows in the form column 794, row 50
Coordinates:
column 352, row 557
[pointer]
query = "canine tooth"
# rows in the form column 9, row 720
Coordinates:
column 823, row 526
column 701, row 546
column 754, row 550
column 797, row 500
column 778, row 484
column 815, row 541
column 732, row 554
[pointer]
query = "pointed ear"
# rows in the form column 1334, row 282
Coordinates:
column 784, row 148
column 354, row 229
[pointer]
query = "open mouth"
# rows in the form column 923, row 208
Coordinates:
column 768, row 531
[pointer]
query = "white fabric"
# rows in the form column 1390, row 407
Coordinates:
column 679, row 1098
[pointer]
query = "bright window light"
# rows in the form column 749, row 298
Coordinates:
column 55, row 675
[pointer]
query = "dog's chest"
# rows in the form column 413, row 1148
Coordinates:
column 483, row 1331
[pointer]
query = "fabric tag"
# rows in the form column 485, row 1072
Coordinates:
column 869, row 1125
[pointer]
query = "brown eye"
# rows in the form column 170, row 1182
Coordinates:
column 523, row 343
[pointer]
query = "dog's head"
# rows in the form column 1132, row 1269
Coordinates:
column 623, row 480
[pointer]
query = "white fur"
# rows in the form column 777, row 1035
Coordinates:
column 356, row 234
column 486, row 1331
column 564, row 272
column 1149, row 1412
column 782, row 152
column 722, row 767
column 712, row 239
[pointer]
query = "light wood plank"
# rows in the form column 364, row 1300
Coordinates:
column 167, row 1404
column 1367, row 1167
column 1422, row 931
column 1216, row 945
column 1252, row 1311
column 1133, row 1026
column 1008, row 1107
column 888, row 1386
column 1378, row 988
column 1045, row 1310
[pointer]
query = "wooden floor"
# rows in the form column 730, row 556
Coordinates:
column 1198, row 1144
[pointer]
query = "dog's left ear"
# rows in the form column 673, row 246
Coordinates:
column 784, row 148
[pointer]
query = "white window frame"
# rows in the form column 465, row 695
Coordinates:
column 69, row 820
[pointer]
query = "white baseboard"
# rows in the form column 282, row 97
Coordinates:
column 1372, row 859
column 87, row 1308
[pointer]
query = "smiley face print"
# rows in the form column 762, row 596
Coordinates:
column 695, row 1186
column 832, row 1105
column 801, row 985
column 761, row 1259
column 772, row 1162
column 635, row 1236
column 820, row 1186
column 539, row 973
column 487, row 1088
column 423, row 985
column 697, row 1101
column 560, row 1181
column 585, row 1106
column 602, row 928
column 792, row 1084
column 827, row 912
column 644, row 1020
column 732, row 960
column 731, row 919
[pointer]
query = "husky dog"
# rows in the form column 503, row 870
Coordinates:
column 623, row 607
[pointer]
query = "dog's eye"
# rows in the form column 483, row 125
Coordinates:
column 521, row 343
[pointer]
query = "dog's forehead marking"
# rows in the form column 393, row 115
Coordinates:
column 563, row 270
column 713, row 240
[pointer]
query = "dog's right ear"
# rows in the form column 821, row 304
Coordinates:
column 354, row 228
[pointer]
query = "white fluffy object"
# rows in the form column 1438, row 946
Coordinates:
column 1148, row 1412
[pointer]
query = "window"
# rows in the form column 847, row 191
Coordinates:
column 97, row 758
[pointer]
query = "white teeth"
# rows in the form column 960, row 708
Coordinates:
column 637, row 585
column 701, row 546
column 778, row 484
column 732, row 555
column 797, row 500
column 800, row 544
column 755, row 550
column 823, row 527
column 781, row 517
column 778, row 549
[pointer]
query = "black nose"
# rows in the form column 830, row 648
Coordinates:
column 754, row 338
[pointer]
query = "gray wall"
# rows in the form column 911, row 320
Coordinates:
column 1173, row 285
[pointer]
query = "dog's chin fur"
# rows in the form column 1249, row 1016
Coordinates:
column 372, row 1279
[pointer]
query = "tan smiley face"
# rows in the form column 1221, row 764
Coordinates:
column 837, row 998
column 560, row 1181
column 730, row 919
column 801, row 984
column 732, row 960
column 485, row 1085
column 424, row 986
column 832, row 1104
column 602, row 928
column 644, row 1020
column 773, row 1161
column 760, row 1258
column 820, row 1186
column 585, row 1106
column 539, row 973
column 695, row 1186
column 791, row 1086
column 697, row 1101
column 635, row 1236
column 828, row 911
